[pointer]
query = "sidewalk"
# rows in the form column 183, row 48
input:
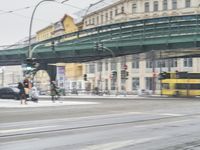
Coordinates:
column 10, row 103
column 80, row 96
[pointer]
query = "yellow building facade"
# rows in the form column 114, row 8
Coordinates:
column 73, row 71
column 68, row 24
column 45, row 33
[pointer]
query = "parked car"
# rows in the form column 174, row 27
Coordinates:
column 9, row 93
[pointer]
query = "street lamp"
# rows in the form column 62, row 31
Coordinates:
column 30, row 27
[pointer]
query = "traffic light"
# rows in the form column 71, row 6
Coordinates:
column 127, row 73
column 114, row 74
column 123, row 74
column 96, row 46
column 85, row 77
column 31, row 66
column 53, row 45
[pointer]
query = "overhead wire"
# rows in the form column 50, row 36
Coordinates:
column 2, row 12
column 15, row 10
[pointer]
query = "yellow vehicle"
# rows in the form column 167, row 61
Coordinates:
column 180, row 84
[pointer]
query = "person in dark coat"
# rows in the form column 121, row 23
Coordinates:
column 22, row 93
column 54, row 91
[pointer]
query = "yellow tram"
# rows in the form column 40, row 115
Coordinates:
column 180, row 84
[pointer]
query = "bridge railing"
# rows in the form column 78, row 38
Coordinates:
column 139, row 32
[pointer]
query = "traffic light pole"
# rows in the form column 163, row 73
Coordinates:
column 113, row 56
column 31, row 24
column 32, row 50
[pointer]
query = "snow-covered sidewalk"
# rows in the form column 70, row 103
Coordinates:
column 8, row 103
column 97, row 96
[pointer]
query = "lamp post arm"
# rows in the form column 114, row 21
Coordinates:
column 32, row 50
column 31, row 23
column 113, row 55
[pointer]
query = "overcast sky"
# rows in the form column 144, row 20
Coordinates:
column 15, row 26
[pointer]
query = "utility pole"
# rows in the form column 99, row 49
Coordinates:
column 100, row 47
column 160, row 63
column 154, row 72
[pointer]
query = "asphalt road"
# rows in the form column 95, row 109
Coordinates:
column 109, row 124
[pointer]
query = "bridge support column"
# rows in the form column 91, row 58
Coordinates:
column 51, row 70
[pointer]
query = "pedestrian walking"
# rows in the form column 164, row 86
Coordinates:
column 54, row 91
column 22, row 93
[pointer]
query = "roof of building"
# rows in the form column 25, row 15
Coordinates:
column 92, row 8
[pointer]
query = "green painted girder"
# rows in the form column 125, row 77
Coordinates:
column 156, row 31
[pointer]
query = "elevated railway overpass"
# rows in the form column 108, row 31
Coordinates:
column 175, row 36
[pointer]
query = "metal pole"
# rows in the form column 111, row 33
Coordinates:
column 31, row 24
column 32, row 50
column 160, row 72
column 113, row 56
column 153, row 70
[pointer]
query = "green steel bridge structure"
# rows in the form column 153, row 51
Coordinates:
column 174, row 36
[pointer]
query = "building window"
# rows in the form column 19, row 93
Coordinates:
column 97, row 19
column 135, row 64
column 165, row 5
column 149, row 83
column 134, row 8
column 106, row 16
column 116, row 12
column 106, row 84
column 155, row 6
column 93, row 22
column 174, row 4
column 187, row 3
column 187, row 62
column 113, row 66
column 111, row 15
column 135, row 83
column 122, row 9
column 91, row 68
column 101, row 18
column 106, row 66
column 146, row 7
column 99, row 66
column 149, row 64
column 112, row 84
column 173, row 62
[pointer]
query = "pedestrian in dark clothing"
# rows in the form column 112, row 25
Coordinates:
column 54, row 91
column 22, row 93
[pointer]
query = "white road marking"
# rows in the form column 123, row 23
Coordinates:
column 169, row 114
column 23, row 129
column 119, row 144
